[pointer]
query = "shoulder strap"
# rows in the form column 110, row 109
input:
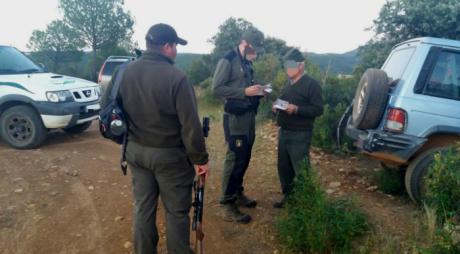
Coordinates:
column 113, row 96
column 118, row 79
column 230, row 55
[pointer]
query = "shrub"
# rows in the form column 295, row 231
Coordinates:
column 443, row 183
column 337, row 94
column 208, row 96
column 442, row 194
column 446, row 240
column 314, row 224
column 324, row 132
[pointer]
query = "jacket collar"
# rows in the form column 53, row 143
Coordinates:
column 155, row 56
column 242, row 59
column 300, row 79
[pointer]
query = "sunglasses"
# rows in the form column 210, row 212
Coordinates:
column 249, row 50
column 289, row 64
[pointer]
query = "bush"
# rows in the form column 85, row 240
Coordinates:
column 442, row 194
column 314, row 224
column 446, row 240
column 337, row 94
column 324, row 133
column 208, row 96
column 443, row 183
column 265, row 107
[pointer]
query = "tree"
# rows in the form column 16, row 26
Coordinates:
column 98, row 23
column 275, row 46
column 229, row 35
column 404, row 19
column 400, row 20
column 266, row 67
column 198, row 71
column 55, row 45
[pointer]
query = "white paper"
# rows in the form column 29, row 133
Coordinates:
column 265, row 89
column 281, row 104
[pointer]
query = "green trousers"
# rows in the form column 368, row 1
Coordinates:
column 237, row 158
column 293, row 151
column 168, row 173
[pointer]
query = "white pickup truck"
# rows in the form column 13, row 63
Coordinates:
column 33, row 101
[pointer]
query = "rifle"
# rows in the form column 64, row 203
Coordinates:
column 198, row 203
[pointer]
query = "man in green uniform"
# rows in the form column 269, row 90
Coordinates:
column 234, row 81
column 165, row 140
column 304, row 102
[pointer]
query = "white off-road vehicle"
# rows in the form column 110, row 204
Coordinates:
column 33, row 101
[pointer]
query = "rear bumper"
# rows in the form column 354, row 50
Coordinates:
column 386, row 146
column 65, row 115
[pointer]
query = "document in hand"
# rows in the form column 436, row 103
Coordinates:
column 265, row 89
column 281, row 104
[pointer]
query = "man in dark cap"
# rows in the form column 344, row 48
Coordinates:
column 165, row 140
column 304, row 102
column 234, row 81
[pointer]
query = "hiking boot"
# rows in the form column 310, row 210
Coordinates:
column 233, row 214
column 280, row 204
column 242, row 200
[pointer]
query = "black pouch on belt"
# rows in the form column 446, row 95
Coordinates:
column 237, row 106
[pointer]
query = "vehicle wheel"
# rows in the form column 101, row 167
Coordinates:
column 22, row 128
column 79, row 128
column 370, row 99
column 415, row 173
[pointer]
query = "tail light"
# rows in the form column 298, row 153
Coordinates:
column 99, row 78
column 396, row 120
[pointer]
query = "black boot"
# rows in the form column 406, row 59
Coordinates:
column 242, row 200
column 233, row 214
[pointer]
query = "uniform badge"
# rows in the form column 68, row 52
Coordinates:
column 238, row 143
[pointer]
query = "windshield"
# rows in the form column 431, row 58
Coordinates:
column 14, row 62
column 109, row 67
column 397, row 63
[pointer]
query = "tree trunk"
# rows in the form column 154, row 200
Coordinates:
column 93, row 75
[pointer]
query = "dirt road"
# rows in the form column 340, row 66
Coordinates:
column 69, row 196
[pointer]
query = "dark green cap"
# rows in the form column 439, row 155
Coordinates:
column 294, row 55
column 255, row 38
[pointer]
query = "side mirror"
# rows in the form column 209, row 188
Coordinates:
column 138, row 52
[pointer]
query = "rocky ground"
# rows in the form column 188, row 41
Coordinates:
column 69, row 196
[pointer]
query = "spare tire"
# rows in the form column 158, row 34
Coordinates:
column 370, row 99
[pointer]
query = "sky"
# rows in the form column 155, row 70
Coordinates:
column 320, row 26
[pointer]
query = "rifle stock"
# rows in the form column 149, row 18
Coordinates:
column 197, row 224
column 198, row 203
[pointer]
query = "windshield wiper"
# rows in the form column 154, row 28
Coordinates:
column 8, row 71
column 33, row 70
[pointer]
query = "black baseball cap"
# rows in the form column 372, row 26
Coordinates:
column 294, row 55
column 161, row 34
column 255, row 38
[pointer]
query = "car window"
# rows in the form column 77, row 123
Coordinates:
column 397, row 62
column 14, row 62
column 444, row 78
column 109, row 67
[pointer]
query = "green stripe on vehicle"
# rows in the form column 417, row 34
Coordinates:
column 69, row 82
column 15, row 85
